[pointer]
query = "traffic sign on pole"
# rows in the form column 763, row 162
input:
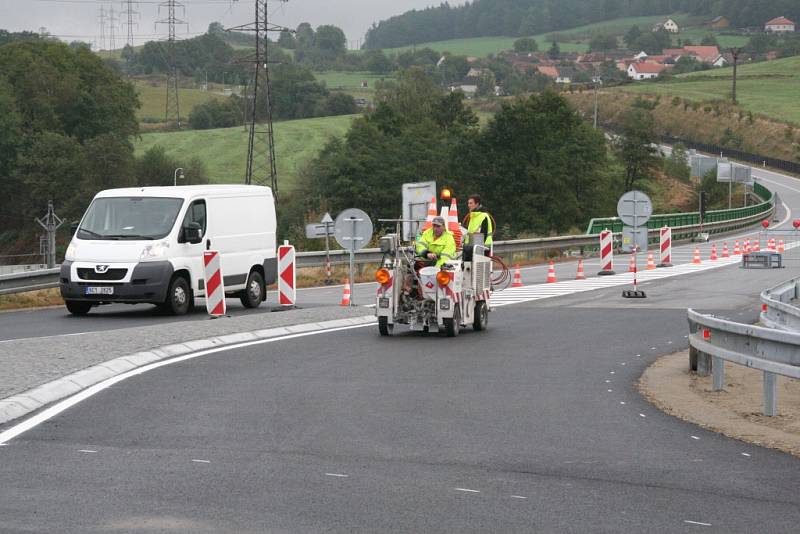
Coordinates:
column 352, row 230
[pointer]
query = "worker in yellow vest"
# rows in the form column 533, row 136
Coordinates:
column 478, row 221
column 436, row 246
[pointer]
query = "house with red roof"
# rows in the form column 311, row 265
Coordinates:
column 644, row 71
column 779, row 25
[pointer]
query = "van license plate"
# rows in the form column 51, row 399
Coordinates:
column 99, row 290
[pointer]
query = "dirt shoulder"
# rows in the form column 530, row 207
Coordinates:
column 734, row 411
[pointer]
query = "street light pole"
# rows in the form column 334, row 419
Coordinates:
column 175, row 176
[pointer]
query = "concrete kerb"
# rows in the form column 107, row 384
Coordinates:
column 34, row 399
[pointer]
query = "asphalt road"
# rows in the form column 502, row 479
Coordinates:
column 532, row 426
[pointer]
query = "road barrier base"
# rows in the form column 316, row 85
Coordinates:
column 606, row 273
column 630, row 294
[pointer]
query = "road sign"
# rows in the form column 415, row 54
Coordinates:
column 416, row 197
column 634, row 208
column 701, row 164
column 352, row 229
column 321, row 229
column 634, row 237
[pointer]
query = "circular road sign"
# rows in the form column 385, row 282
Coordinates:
column 634, row 208
column 352, row 229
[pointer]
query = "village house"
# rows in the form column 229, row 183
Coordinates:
column 667, row 25
column 644, row 71
column 779, row 25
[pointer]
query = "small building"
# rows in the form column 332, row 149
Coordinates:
column 565, row 74
column 640, row 56
column 779, row 25
column 644, row 71
column 705, row 54
column 720, row 61
column 668, row 25
column 719, row 22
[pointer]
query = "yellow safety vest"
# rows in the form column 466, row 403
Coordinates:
column 476, row 219
column 444, row 246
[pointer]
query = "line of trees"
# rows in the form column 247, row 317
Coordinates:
column 531, row 17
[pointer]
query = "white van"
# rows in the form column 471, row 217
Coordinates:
column 145, row 245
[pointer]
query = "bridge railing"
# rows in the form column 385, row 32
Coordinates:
column 779, row 307
column 713, row 341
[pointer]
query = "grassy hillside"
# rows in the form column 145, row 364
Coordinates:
column 224, row 150
column 350, row 80
column 571, row 40
column 771, row 88
column 154, row 100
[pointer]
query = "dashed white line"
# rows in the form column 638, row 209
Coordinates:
column 201, row 461
column 697, row 523
column 467, row 490
column 339, row 475
column 86, row 450
column 622, row 402
column 695, row 437
column 745, row 454
column 518, row 497
column 611, row 391
column 642, row 415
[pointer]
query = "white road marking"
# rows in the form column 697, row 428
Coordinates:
column 339, row 475
column 59, row 407
column 642, row 415
column 467, row 490
column 697, row 523
column 695, row 437
column 608, row 381
column 745, row 454
column 86, row 450
column 622, row 402
column 611, row 391
column 45, row 337
column 612, row 372
column 201, row 461
column 518, row 497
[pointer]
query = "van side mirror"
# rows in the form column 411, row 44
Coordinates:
column 73, row 227
column 192, row 233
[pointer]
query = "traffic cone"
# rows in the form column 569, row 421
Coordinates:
column 781, row 246
column 696, row 260
column 581, row 275
column 757, row 246
column 517, row 277
column 632, row 265
column 736, row 250
column 346, row 294
column 431, row 215
column 747, row 246
column 452, row 223
column 713, row 252
column 651, row 264
column 771, row 244
column 551, row 273
column 725, row 250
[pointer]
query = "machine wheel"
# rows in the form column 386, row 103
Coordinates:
column 384, row 327
column 253, row 294
column 179, row 297
column 76, row 307
column 452, row 326
column 481, row 320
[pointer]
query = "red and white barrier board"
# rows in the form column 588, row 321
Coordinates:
column 287, row 275
column 606, row 252
column 215, row 289
column 666, row 247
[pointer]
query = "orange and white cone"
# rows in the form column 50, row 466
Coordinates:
column 581, row 275
column 632, row 265
column 714, row 252
column 757, row 246
column 517, row 277
column 781, row 246
column 346, row 294
column 651, row 264
column 725, row 253
column 747, row 246
column 696, row 260
column 452, row 223
column 771, row 243
column 736, row 250
column 551, row 273
column 431, row 214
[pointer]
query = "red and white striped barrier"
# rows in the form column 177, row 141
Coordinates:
column 666, row 247
column 215, row 289
column 606, row 253
column 287, row 275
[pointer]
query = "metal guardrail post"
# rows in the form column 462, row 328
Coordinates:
column 770, row 394
column 718, row 371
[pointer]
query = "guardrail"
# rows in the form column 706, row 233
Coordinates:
column 48, row 278
column 777, row 310
column 713, row 341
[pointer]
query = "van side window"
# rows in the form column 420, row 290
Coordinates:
column 196, row 214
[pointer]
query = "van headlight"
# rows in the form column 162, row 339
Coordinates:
column 72, row 251
column 154, row 251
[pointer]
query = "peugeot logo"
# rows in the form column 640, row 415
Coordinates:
column 101, row 268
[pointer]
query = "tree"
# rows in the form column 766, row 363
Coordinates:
column 486, row 84
column 304, row 35
column 632, row 36
column 453, row 68
column 330, row 40
column 376, row 62
column 286, row 40
column 709, row 40
column 603, row 43
column 635, row 148
column 526, row 44
column 338, row 104
column 554, row 51
column 156, row 168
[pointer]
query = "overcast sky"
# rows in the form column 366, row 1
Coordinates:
column 80, row 19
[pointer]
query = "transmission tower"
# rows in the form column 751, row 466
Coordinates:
column 261, row 165
column 173, row 108
column 129, row 14
column 112, row 22
column 102, row 28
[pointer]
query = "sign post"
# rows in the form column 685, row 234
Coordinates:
column 323, row 229
column 635, row 209
column 352, row 230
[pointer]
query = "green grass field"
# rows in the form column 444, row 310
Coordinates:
column 696, row 34
column 154, row 99
column 771, row 88
column 223, row 150
column 350, row 80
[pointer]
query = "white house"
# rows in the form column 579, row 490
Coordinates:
column 644, row 71
column 779, row 25
column 640, row 56
column 668, row 25
column 719, row 62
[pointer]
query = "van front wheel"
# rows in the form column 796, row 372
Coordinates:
column 76, row 307
column 179, row 297
column 253, row 294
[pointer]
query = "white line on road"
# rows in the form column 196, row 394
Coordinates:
column 339, row 475
column 697, row 523
column 746, row 454
column 201, row 461
column 695, row 437
column 86, row 450
column 59, row 407
column 518, row 497
column 467, row 490
column 642, row 415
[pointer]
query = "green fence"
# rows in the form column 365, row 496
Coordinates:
column 684, row 219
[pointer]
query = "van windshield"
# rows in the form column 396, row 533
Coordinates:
column 117, row 218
